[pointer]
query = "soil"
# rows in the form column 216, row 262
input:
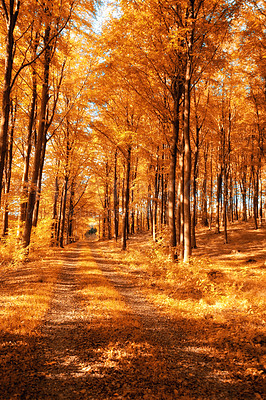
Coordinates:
column 152, row 357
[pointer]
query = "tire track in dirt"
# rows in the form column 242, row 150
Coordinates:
column 193, row 367
column 67, row 356
column 59, row 364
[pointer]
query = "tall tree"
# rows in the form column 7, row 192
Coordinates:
column 10, row 14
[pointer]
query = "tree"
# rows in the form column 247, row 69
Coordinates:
column 10, row 14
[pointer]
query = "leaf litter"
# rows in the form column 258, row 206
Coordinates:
column 105, row 335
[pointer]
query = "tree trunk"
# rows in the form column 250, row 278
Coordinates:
column 63, row 217
column 11, row 19
column 211, row 196
column 218, row 200
column 243, row 186
column 187, row 165
column 116, row 200
column 134, row 176
column 39, row 186
column 59, row 218
column 8, row 170
column 155, row 200
column 32, row 118
column 40, row 142
column 225, row 204
column 70, row 219
column 55, row 214
column 164, row 192
column 181, row 205
column 177, row 93
column 126, row 200
column 195, row 177
column 255, row 196
column 204, row 215
column 261, row 197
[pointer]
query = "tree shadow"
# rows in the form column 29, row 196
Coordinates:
column 107, row 361
column 132, row 355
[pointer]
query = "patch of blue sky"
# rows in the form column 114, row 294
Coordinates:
column 106, row 10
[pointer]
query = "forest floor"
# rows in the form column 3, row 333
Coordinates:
column 92, row 322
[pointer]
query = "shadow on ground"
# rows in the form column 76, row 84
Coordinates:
column 77, row 356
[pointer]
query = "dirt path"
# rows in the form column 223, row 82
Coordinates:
column 73, row 356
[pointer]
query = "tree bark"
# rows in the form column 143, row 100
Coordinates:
column 187, row 155
column 63, row 213
column 177, row 88
column 126, row 199
column 195, row 177
column 225, row 203
column 39, row 186
column 11, row 13
column 116, row 200
column 55, row 213
column 40, row 142
column 8, row 170
column 155, row 199
column 70, row 218
column 32, row 118
column 218, row 200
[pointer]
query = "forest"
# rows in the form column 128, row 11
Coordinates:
column 136, row 129
column 151, row 117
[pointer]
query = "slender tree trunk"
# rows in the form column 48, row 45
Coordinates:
column 255, row 197
column 218, row 200
column 195, row 177
column 225, row 216
column 32, row 119
column 236, row 201
column 177, row 93
column 116, row 200
column 55, row 214
column 187, row 148
column 70, row 214
column 155, row 199
column 211, row 197
column 164, row 189
column 261, row 196
column 39, row 186
column 59, row 218
column 40, row 142
column 134, row 176
column 181, row 205
column 126, row 200
column 148, row 208
column 63, row 218
column 8, row 171
column 204, row 216
column 187, row 166
column 243, row 185
column 11, row 15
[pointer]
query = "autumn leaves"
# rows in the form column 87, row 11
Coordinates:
column 137, row 126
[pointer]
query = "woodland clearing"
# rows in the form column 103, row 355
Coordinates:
column 92, row 322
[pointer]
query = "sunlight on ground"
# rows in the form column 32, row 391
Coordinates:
column 26, row 292
column 223, row 301
column 99, row 296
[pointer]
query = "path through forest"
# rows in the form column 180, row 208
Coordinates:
column 122, row 348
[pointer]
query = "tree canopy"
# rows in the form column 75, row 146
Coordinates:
column 129, row 116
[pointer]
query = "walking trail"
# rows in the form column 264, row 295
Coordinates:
column 137, row 354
